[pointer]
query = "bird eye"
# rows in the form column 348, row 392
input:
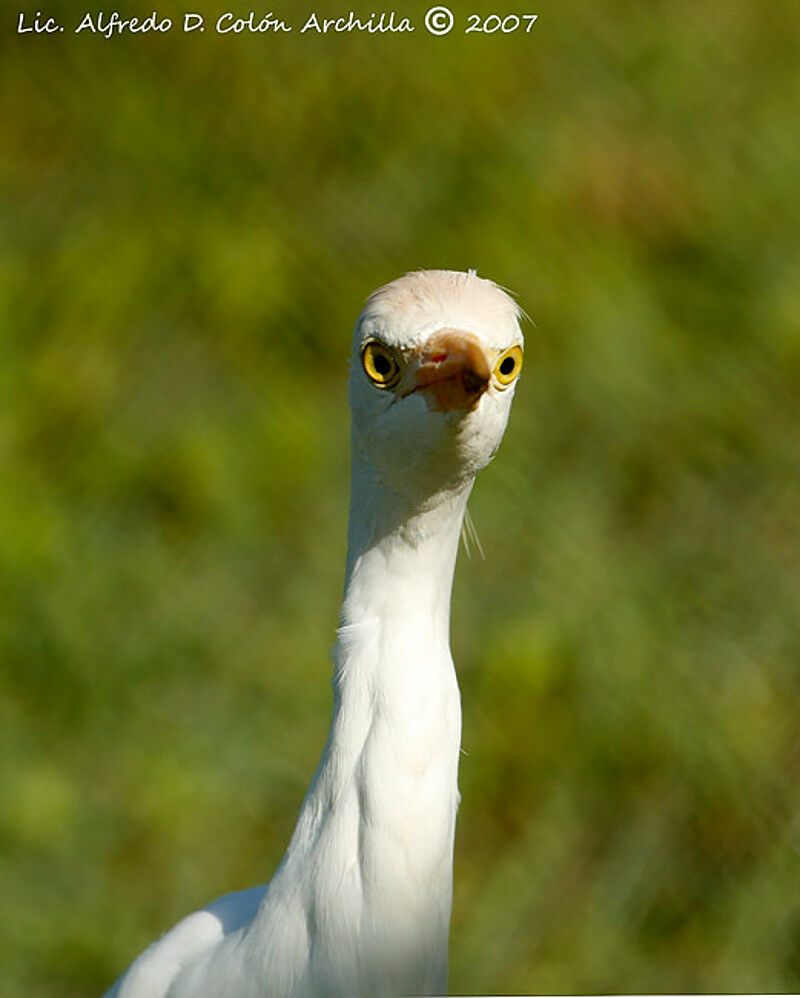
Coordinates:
column 508, row 366
column 380, row 365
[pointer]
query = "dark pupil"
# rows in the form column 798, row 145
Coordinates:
column 382, row 363
column 508, row 366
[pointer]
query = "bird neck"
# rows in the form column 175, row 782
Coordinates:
column 394, row 678
column 373, row 845
column 388, row 782
column 401, row 557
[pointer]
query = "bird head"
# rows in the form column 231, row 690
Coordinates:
column 436, row 357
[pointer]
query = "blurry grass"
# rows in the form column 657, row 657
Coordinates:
column 189, row 228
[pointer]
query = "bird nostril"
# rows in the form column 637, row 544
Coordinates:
column 472, row 381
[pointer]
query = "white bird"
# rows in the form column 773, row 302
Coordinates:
column 360, row 904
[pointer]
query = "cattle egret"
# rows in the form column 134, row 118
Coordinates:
column 360, row 904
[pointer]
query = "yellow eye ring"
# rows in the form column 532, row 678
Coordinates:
column 508, row 366
column 380, row 364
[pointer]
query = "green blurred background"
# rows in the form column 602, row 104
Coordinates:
column 190, row 226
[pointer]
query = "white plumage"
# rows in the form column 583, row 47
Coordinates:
column 360, row 904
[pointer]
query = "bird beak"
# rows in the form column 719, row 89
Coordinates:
column 451, row 369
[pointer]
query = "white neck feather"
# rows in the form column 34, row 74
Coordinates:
column 375, row 835
column 400, row 562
